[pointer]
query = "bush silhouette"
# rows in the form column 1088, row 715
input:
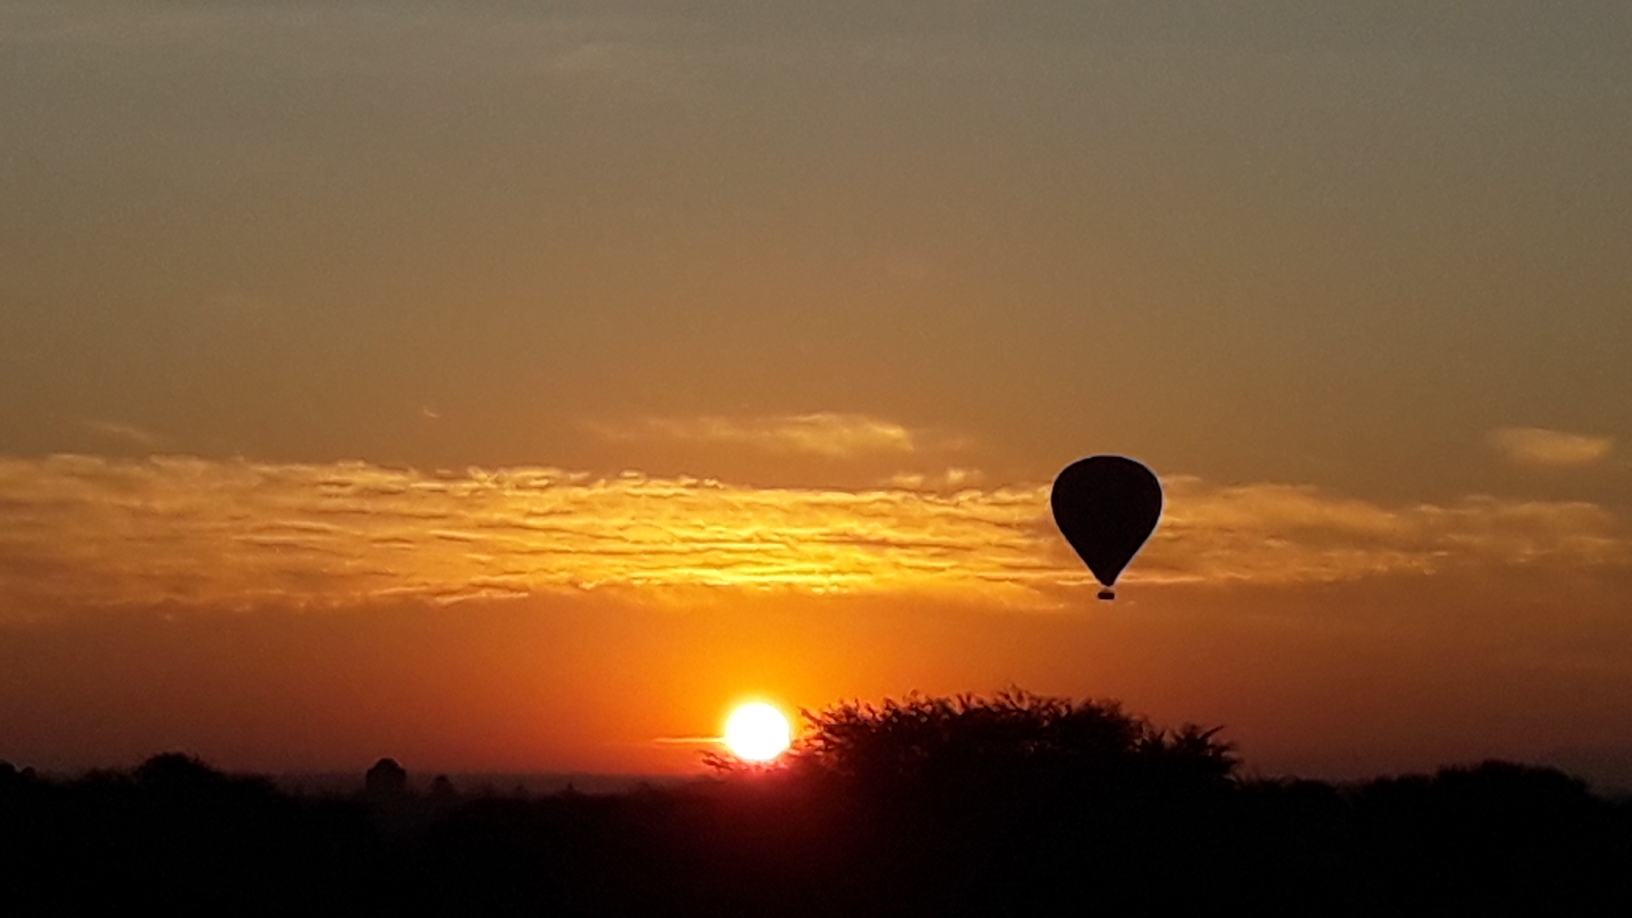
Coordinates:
column 976, row 741
column 178, row 772
column 386, row 780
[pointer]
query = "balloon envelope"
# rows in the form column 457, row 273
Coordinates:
column 1106, row 507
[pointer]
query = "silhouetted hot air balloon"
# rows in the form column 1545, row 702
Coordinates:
column 1106, row 506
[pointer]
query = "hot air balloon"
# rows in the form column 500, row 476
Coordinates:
column 1106, row 507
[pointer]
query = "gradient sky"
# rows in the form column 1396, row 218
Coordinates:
column 512, row 386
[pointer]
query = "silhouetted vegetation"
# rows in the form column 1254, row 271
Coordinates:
column 1014, row 804
column 969, row 743
column 386, row 780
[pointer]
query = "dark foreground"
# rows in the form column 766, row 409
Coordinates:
column 921, row 820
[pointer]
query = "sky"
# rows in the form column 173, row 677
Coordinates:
column 518, row 386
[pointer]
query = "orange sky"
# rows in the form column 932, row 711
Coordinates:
column 1343, row 681
column 515, row 386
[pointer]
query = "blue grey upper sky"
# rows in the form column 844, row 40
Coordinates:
column 1339, row 244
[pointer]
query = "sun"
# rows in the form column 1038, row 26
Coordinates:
column 757, row 732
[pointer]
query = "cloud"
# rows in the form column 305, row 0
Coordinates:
column 200, row 531
column 1537, row 446
column 84, row 530
column 827, row 434
column 639, row 64
column 127, row 434
column 1277, row 533
column 608, row 47
column 951, row 479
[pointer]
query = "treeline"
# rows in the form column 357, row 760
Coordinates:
column 1012, row 805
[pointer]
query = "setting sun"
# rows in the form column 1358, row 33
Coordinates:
column 757, row 732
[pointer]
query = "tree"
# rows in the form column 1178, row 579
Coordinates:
column 386, row 780
column 178, row 771
column 1012, row 736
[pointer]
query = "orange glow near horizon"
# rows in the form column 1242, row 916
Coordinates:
column 586, row 683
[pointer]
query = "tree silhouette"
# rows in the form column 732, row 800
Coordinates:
column 386, row 780
column 178, row 771
column 971, row 740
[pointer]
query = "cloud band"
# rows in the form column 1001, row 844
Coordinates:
column 91, row 530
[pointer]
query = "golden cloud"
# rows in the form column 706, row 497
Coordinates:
column 1538, row 446
column 1275, row 533
column 951, row 479
column 90, row 530
column 832, row 435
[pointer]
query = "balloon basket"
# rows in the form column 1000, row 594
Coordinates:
column 1107, row 594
